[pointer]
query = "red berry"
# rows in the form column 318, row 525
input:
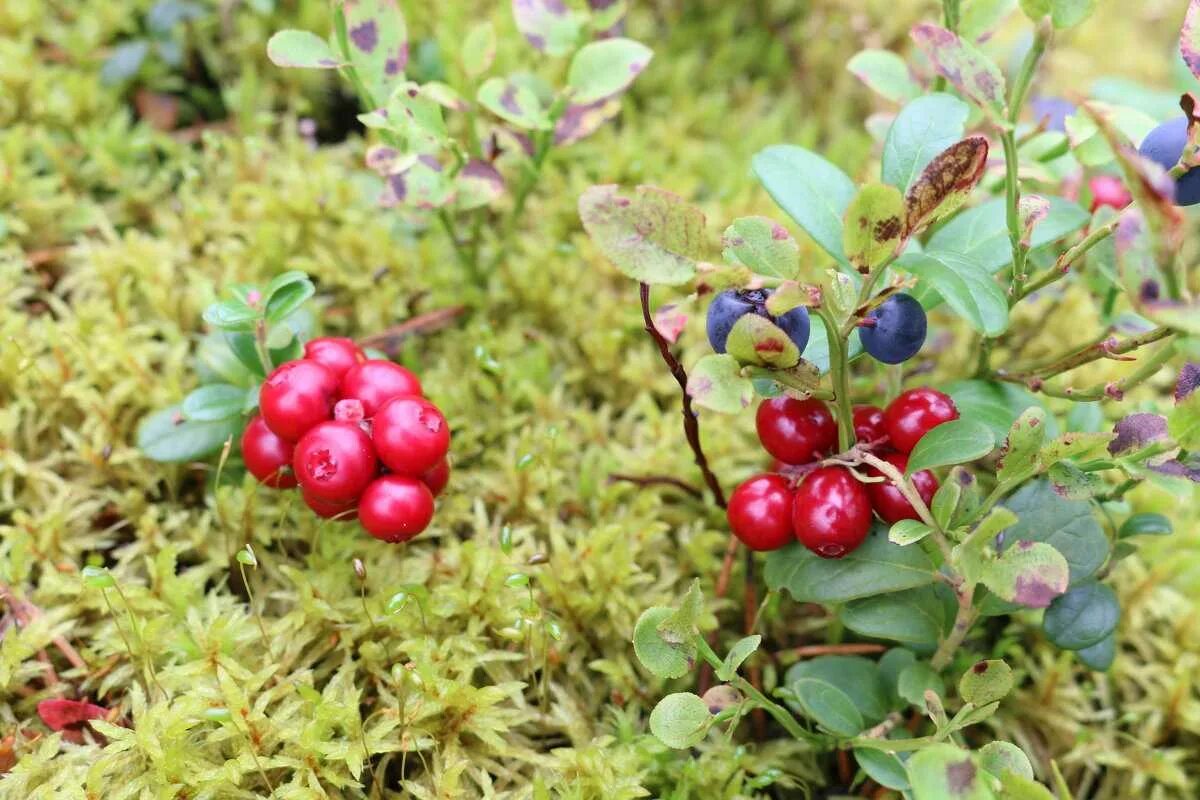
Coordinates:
column 889, row 502
column 334, row 462
column 267, row 457
column 868, row 424
column 796, row 431
column 1108, row 190
column 760, row 512
column 296, row 396
column 395, row 508
column 437, row 478
column 831, row 512
column 338, row 354
column 914, row 413
column 375, row 382
column 338, row 512
column 411, row 435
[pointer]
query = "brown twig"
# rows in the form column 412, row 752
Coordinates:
column 849, row 649
column 656, row 480
column 389, row 340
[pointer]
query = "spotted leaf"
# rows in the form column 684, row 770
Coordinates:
column 1189, row 38
column 513, row 102
column 606, row 68
column 763, row 245
column 873, row 226
column 1028, row 573
column 757, row 341
column 716, row 382
column 477, row 184
column 301, row 50
column 945, row 183
column 650, row 234
column 377, row 44
column 966, row 67
column 944, row 772
column 548, row 25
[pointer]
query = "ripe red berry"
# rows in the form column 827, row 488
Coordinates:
column 760, row 512
column 796, row 431
column 889, row 502
column 868, row 424
column 296, row 396
column 338, row 512
column 376, row 381
column 1109, row 190
column 411, row 435
column 914, row 413
column 267, row 457
column 831, row 512
column 437, row 478
column 395, row 508
column 337, row 354
column 334, row 462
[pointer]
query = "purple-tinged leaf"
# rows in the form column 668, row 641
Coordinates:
column 1071, row 483
column 301, row 50
column 423, row 184
column 670, row 321
column 513, row 102
column 378, row 42
column 964, row 65
column 651, row 235
column 606, row 68
column 578, row 122
column 384, row 160
column 548, row 25
column 417, row 118
column 945, row 183
column 1137, row 431
column 1179, row 469
column 1189, row 38
column 716, row 383
column 1189, row 380
column 608, row 17
column 478, row 184
column 1028, row 573
column 1032, row 210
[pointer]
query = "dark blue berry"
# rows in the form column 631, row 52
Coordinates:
column 895, row 330
column 731, row 305
column 1053, row 111
column 1164, row 146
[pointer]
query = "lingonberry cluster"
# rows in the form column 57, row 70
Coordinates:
column 819, row 501
column 355, row 434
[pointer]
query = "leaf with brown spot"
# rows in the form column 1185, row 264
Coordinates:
column 1191, row 150
column 966, row 67
column 1028, row 573
column 873, row 226
column 763, row 245
column 650, row 234
column 945, row 183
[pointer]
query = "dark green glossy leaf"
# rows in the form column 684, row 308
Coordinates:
column 1083, row 616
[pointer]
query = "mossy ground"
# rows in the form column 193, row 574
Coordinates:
column 115, row 237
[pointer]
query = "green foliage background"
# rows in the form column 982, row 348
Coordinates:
column 114, row 237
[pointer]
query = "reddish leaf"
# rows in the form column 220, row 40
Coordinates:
column 60, row 714
column 945, row 183
column 1189, row 38
column 961, row 63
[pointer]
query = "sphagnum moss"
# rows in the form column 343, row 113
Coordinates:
column 115, row 237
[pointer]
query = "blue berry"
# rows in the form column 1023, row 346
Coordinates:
column 1164, row 145
column 895, row 330
column 731, row 305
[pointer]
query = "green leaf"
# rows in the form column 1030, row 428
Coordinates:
column 922, row 129
column 217, row 401
column 974, row 552
column 716, row 383
column 168, row 437
column 945, row 183
column 968, row 288
column 246, row 556
column 682, row 626
column 1018, row 787
column 986, row 682
column 416, row 117
column 891, row 664
column 856, row 677
column 1028, row 573
column 757, row 341
column 885, row 73
column 97, row 577
column 980, row 234
column 828, row 706
column 943, row 772
column 1068, row 525
column 377, row 39
column 981, row 17
column 966, row 67
column 1072, row 483
column 908, row 531
column 605, row 68
column 1019, row 455
column 550, row 26
column 286, row 293
column 994, row 403
column 810, row 190
column 680, row 720
column 479, row 49
column 1146, row 524
column 882, row 767
column 914, row 616
column 1000, row 757
column 875, row 567
column 652, row 236
column 955, row 442
column 945, row 501
column 817, row 351
column 301, row 50
column 915, row 680
column 873, row 226
column 654, row 653
column 1083, row 616
column 232, row 315
column 1062, row 13
column 737, row 654
column 513, row 102
column 244, row 349
column 1100, row 656
column 762, row 245
column 1183, row 423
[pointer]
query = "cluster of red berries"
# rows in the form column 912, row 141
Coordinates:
column 355, row 434
column 827, row 508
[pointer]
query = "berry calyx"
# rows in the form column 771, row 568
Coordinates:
column 295, row 397
column 760, row 512
column 1164, row 145
column 376, row 381
column 868, row 424
column 796, row 431
column 831, row 512
column 267, row 456
column 1109, row 190
column 894, row 331
column 334, row 462
column 411, row 435
column 437, row 478
column 337, row 354
column 731, row 305
column 914, row 413
column 395, row 508
column 888, row 501
column 338, row 512
column 349, row 411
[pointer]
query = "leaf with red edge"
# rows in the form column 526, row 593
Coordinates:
column 944, row 185
column 1189, row 38
column 966, row 67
